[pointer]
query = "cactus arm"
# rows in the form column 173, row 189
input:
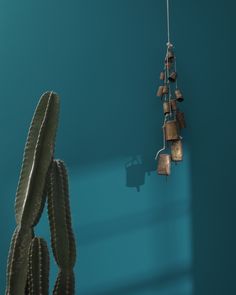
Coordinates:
column 65, row 283
column 38, row 275
column 17, row 267
column 62, row 238
column 37, row 158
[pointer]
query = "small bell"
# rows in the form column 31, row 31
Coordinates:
column 166, row 107
column 176, row 150
column 170, row 55
column 168, row 64
column 164, row 164
column 165, row 89
column 169, row 105
column 179, row 95
column 173, row 104
column 162, row 76
column 171, row 130
column 173, row 77
column 160, row 91
column 181, row 120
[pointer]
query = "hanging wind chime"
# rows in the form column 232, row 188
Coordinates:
column 174, row 119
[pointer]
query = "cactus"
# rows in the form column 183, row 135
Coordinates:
column 28, row 262
column 37, row 158
column 38, row 275
column 17, row 267
column 62, row 238
column 65, row 283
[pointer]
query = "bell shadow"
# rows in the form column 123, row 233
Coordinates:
column 135, row 173
column 137, row 169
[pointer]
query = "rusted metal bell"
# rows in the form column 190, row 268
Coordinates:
column 181, row 120
column 160, row 91
column 164, row 164
column 166, row 107
column 171, row 130
column 173, row 77
column 169, row 106
column 176, row 150
column 170, row 55
column 165, row 89
column 168, row 64
column 179, row 95
column 162, row 76
column 173, row 104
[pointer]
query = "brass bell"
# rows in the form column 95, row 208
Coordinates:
column 170, row 55
column 179, row 95
column 173, row 77
column 160, row 91
column 168, row 64
column 181, row 120
column 176, row 150
column 165, row 89
column 171, row 130
column 169, row 106
column 173, row 104
column 164, row 164
column 162, row 76
column 166, row 107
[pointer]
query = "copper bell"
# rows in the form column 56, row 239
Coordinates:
column 169, row 106
column 164, row 164
column 165, row 89
column 170, row 55
column 176, row 150
column 166, row 107
column 171, row 130
column 173, row 77
column 179, row 95
column 160, row 91
column 181, row 120
column 173, row 104
column 162, row 76
column 168, row 64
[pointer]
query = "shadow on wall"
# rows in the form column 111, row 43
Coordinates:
column 127, row 239
column 150, row 285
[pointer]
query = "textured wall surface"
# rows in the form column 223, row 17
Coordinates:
column 103, row 58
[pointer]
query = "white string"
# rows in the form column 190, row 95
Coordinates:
column 164, row 140
column 167, row 82
column 168, row 21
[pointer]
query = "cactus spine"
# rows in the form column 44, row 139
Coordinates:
column 28, row 262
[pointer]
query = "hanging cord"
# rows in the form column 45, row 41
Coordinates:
column 167, row 82
column 168, row 21
column 169, row 45
column 164, row 139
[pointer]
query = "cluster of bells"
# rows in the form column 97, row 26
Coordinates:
column 174, row 119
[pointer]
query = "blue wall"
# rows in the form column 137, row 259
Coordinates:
column 103, row 58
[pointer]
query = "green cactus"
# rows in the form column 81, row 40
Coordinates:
column 65, row 283
column 62, row 238
column 36, row 161
column 38, row 271
column 28, row 262
column 17, row 266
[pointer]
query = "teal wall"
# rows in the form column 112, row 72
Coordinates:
column 103, row 57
